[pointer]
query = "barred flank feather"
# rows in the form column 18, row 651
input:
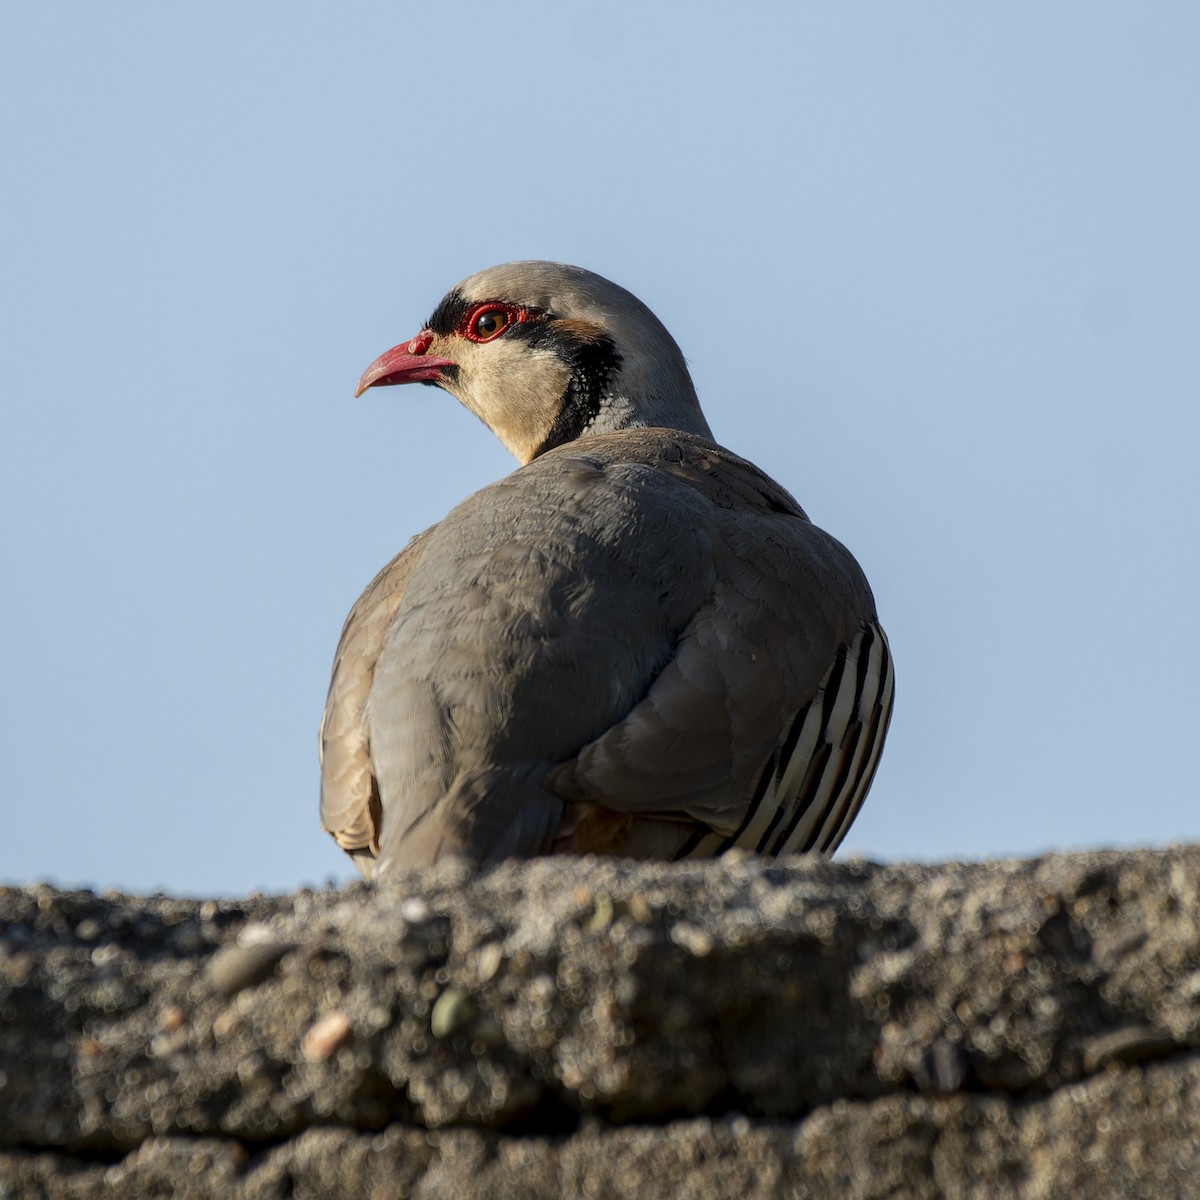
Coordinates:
column 813, row 787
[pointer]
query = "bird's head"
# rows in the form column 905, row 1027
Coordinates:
column 544, row 353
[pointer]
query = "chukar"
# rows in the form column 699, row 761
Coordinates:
column 636, row 643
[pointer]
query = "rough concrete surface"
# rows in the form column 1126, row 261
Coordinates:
column 587, row 1027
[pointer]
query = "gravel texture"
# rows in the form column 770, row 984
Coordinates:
column 602, row 1028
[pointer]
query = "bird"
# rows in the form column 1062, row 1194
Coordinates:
column 635, row 644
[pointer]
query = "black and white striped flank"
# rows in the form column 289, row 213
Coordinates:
column 815, row 783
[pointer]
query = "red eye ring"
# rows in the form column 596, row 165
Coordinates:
column 487, row 321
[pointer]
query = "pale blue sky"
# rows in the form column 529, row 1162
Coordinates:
column 934, row 266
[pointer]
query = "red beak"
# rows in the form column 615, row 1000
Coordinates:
column 406, row 363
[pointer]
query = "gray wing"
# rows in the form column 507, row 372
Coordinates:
column 766, row 725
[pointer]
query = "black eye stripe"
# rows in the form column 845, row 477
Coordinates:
column 450, row 314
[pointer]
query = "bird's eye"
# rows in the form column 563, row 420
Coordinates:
column 489, row 322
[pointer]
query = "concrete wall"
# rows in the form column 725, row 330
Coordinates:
column 597, row 1028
